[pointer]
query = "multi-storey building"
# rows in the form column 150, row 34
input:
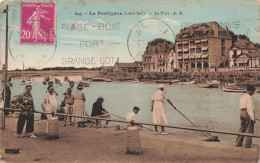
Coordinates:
column 203, row 46
column 159, row 56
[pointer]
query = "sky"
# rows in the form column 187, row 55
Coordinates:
column 107, row 39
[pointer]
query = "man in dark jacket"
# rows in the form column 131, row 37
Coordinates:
column 98, row 111
column 7, row 97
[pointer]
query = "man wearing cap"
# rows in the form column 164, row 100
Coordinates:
column 247, row 117
column 27, row 113
column 159, row 117
column 7, row 97
column 99, row 111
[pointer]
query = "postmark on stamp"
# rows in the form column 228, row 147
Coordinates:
column 145, row 31
column 38, row 23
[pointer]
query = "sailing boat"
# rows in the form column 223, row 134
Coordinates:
column 23, row 81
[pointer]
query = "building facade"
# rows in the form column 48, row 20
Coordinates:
column 159, row 56
column 243, row 53
column 127, row 67
column 203, row 46
column 107, row 69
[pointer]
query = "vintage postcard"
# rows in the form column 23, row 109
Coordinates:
column 130, row 81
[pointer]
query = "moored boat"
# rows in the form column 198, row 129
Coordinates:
column 109, row 80
column 131, row 80
column 210, row 84
column 186, row 82
column 162, row 81
column 23, row 82
column 234, row 89
column 85, row 84
column 98, row 80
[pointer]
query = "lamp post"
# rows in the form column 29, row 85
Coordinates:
column 6, row 61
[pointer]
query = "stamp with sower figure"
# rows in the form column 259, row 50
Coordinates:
column 38, row 23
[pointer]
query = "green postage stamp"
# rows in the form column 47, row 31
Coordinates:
column 165, row 80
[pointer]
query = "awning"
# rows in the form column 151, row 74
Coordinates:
column 179, row 57
column 185, row 50
column 192, row 56
column 197, row 56
column 204, row 40
column 185, row 56
column 179, row 43
column 205, row 56
column 185, row 35
column 204, row 48
column 185, row 42
column 197, row 41
column 179, row 50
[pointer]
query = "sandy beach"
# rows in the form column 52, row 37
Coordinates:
column 101, row 145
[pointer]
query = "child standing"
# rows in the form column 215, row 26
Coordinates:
column 69, row 100
column 131, row 117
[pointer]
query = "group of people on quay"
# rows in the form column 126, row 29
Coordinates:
column 74, row 105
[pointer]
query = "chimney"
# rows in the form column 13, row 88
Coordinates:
column 215, row 29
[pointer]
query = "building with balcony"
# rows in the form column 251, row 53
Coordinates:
column 203, row 46
column 159, row 56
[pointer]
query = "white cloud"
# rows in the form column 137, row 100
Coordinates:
column 171, row 21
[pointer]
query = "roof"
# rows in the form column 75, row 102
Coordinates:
column 202, row 27
column 206, row 29
column 252, row 54
column 127, row 65
column 244, row 44
column 159, row 45
column 107, row 67
column 255, row 54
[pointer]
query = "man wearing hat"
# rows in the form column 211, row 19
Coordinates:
column 98, row 111
column 159, row 117
column 27, row 113
column 6, row 96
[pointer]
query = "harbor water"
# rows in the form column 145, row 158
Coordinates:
column 210, row 109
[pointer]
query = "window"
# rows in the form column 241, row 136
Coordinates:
column 235, row 53
column 222, row 42
column 205, row 65
column 198, row 50
column 192, row 65
column 223, row 51
column 199, row 66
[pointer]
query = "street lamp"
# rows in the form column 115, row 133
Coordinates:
column 6, row 62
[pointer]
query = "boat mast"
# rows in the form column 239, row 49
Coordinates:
column 23, row 72
column 234, row 74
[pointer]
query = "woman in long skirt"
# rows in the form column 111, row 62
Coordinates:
column 159, row 117
column 78, row 107
column 49, row 104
